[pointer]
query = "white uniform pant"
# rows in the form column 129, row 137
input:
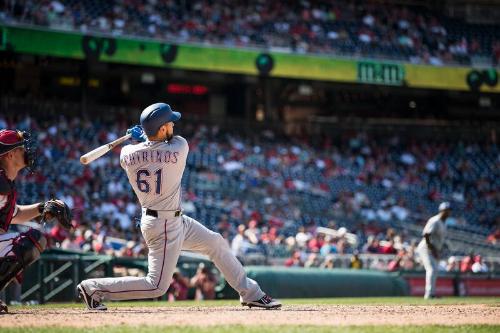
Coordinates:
column 6, row 243
column 165, row 237
column 431, row 266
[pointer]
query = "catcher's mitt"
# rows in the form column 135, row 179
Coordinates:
column 56, row 209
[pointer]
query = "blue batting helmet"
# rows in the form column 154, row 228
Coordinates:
column 155, row 115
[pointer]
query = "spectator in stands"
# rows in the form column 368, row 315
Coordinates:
column 178, row 289
column 356, row 262
column 252, row 232
column 377, row 264
column 315, row 244
column 127, row 250
column 295, row 260
column 452, row 265
column 70, row 243
column 414, row 33
column 58, row 233
column 466, row 264
column 371, row 246
column 343, row 246
column 328, row 263
column 140, row 250
column 224, row 225
column 302, row 237
column 313, row 260
column 388, row 247
column 101, row 246
column 329, row 246
column 494, row 237
column 239, row 244
column 271, row 237
column 496, row 53
column 408, row 260
column 395, row 264
column 204, row 282
column 360, row 166
column 479, row 266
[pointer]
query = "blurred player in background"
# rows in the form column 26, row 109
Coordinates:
column 431, row 245
column 154, row 169
column 19, row 250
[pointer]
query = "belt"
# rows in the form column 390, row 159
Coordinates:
column 154, row 213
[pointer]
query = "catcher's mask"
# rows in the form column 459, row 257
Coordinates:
column 10, row 139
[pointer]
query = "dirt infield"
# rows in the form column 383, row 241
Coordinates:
column 334, row 315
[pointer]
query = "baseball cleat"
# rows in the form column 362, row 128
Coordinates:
column 266, row 302
column 91, row 303
column 3, row 307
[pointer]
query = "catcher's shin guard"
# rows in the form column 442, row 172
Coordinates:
column 26, row 249
column 9, row 268
column 3, row 307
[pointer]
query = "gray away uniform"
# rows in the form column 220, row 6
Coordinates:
column 154, row 170
column 436, row 229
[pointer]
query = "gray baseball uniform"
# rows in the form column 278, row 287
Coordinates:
column 436, row 230
column 154, row 169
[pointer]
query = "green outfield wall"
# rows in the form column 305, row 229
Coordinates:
column 240, row 61
column 289, row 282
column 53, row 278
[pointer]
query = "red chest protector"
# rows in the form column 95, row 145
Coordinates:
column 8, row 196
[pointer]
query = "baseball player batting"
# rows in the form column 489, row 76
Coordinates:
column 430, row 247
column 154, row 169
column 19, row 250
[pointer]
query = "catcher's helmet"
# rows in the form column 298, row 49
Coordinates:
column 10, row 139
column 155, row 115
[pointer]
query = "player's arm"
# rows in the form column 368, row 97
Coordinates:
column 181, row 143
column 123, row 153
column 25, row 213
column 430, row 246
column 137, row 133
column 22, row 213
column 53, row 209
column 138, row 136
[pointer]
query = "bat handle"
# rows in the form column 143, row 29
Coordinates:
column 98, row 152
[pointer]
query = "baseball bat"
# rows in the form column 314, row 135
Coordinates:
column 99, row 151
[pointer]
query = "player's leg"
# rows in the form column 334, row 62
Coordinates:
column 3, row 307
column 164, row 240
column 200, row 239
column 18, row 251
column 426, row 258
column 433, row 276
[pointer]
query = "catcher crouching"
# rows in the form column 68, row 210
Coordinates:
column 19, row 250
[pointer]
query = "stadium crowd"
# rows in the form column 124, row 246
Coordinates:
column 269, row 195
column 414, row 34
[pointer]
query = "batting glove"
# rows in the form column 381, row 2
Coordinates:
column 137, row 133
